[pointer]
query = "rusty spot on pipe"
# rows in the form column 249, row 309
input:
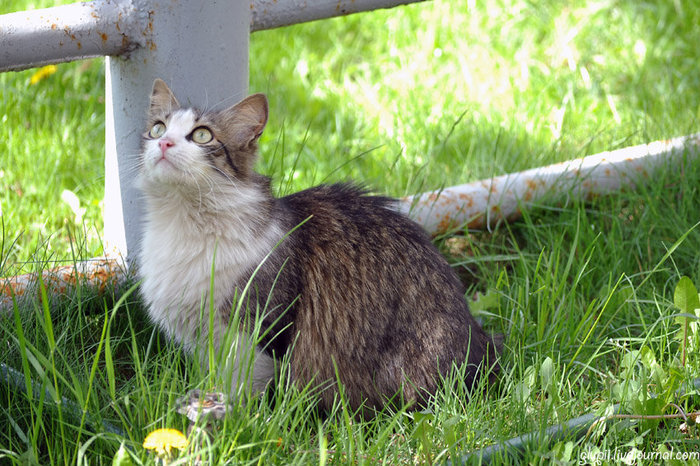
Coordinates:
column 477, row 222
column 445, row 224
column 468, row 201
column 101, row 273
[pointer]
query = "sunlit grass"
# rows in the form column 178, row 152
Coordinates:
column 403, row 100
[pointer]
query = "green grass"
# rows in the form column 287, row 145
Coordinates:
column 404, row 100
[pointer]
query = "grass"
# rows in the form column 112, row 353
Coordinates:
column 404, row 100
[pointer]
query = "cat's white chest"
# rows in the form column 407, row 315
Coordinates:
column 179, row 252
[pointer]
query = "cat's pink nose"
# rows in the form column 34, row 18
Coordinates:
column 165, row 144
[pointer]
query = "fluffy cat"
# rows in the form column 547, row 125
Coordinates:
column 357, row 287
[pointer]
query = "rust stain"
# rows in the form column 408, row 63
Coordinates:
column 477, row 222
column 104, row 37
column 515, row 215
column 12, row 288
column 149, row 32
column 467, row 200
column 59, row 280
column 531, row 184
column 444, row 224
column 54, row 26
column 446, row 201
column 432, row 197
column 149, row 26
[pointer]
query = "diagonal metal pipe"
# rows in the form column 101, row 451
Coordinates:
column 482, row 204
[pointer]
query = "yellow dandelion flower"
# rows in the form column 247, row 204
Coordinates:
column 164, row 440
column 42, row 73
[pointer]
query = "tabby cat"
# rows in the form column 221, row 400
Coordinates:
column 354, row 290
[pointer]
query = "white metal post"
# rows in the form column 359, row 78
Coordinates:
column 201, row 50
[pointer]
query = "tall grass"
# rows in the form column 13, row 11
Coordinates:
column 403, row 100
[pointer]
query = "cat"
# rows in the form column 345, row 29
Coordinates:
column 354, row 290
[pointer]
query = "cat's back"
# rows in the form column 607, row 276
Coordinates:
column 372, row 280
column 349, row 207
column 344, row 230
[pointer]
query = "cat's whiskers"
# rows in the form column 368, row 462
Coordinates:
column 231, row 181
column 136, row 167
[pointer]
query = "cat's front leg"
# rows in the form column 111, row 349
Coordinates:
column 250, row 369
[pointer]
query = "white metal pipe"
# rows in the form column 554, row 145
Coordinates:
column 484, row 203
column 69, row 32
column 269, row 14
column 201, row 50
column 117, row 27
column 100, row 273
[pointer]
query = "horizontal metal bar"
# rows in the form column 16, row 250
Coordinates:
column 116, row 27
column 270, row 14
column 70, row 32
column 484, row 203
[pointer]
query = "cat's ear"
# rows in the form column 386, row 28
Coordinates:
column 247, row 119
column 162, row 98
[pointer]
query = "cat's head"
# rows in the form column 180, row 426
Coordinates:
column 187, row 147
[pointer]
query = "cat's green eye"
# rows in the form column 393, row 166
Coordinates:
column 157, row 130
column 202, row 135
